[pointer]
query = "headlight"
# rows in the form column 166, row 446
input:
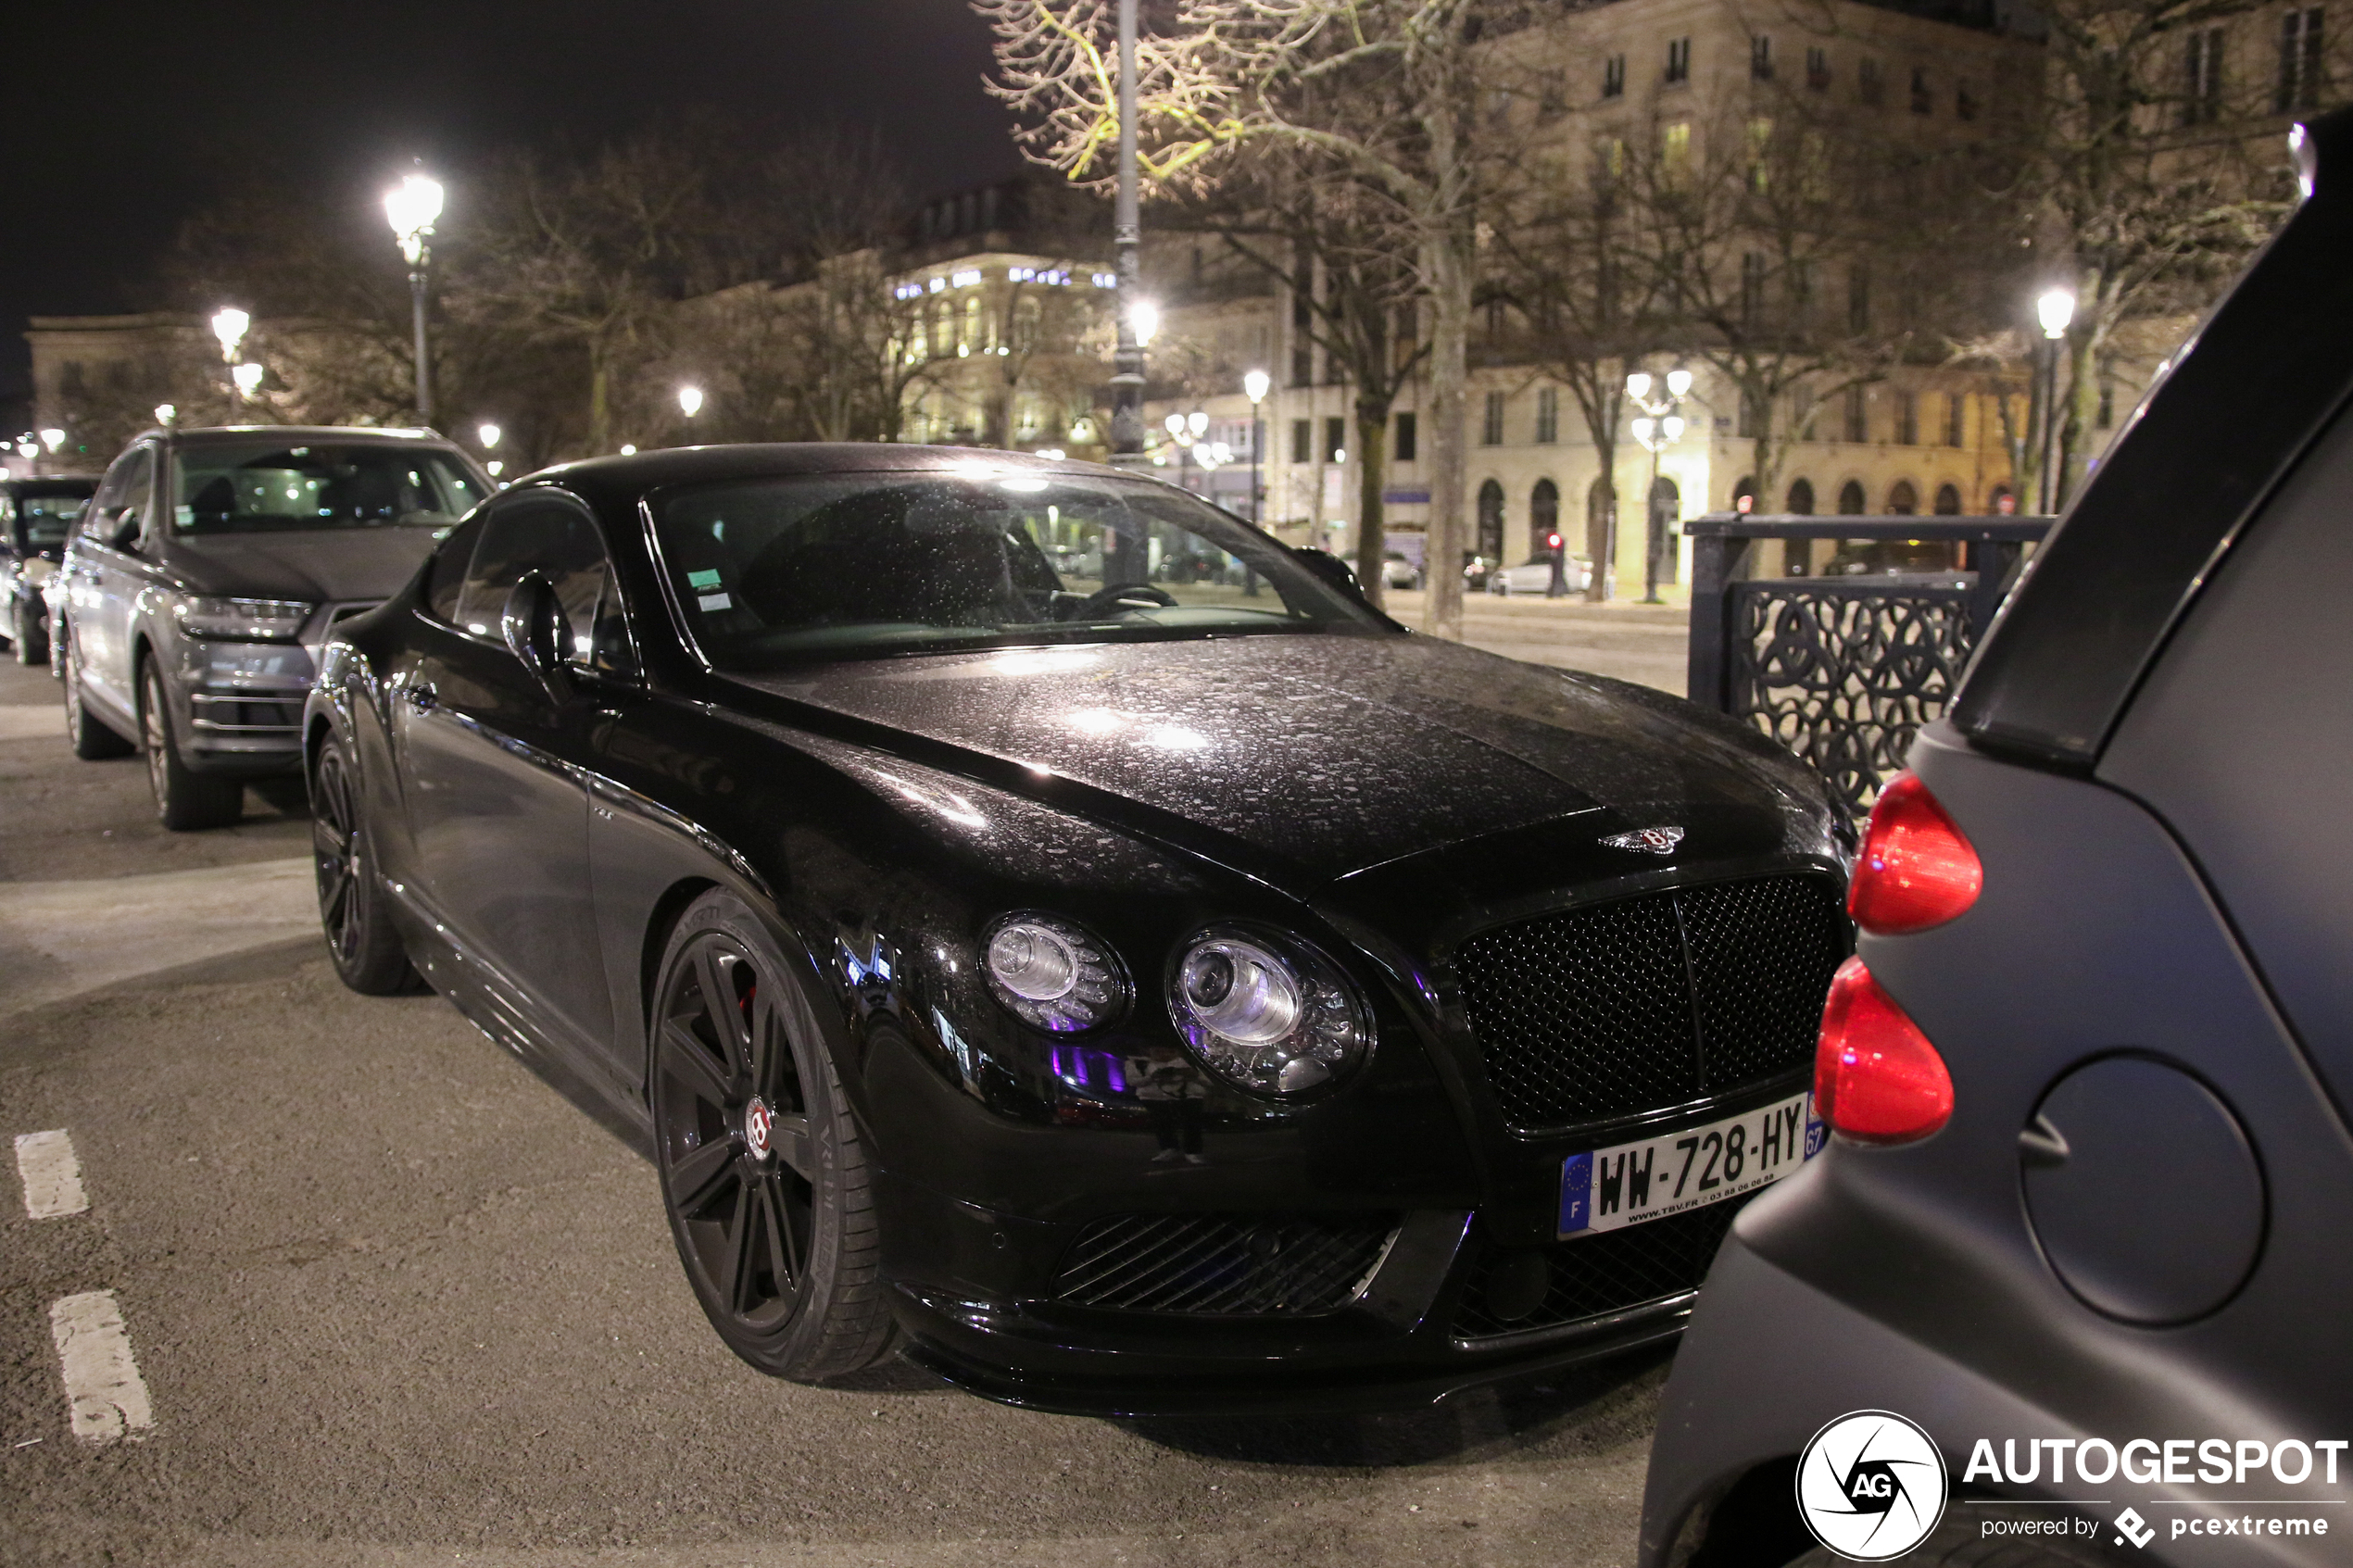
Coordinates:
column 242, row 620
column 1270, row 1013
column 1054, row 974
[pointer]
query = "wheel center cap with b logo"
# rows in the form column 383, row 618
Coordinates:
column 760, row 1124
column 1870, row 1485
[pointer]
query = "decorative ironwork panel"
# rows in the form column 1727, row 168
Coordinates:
column 1846, row 674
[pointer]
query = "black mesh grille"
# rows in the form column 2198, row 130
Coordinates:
column 1221, row 1264
column 1607, row 1272
column 1602, row 1012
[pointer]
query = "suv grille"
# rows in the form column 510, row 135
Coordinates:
column 1223, row 1264
column 1607, row 1272
column 1653, row 1000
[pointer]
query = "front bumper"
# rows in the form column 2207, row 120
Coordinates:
column 241, row 705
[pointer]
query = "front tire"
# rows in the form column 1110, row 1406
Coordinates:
column 186, row 801
column 86, row 732
column 354, row 910
column 762, row 1172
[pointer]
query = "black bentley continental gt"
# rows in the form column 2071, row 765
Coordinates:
column 1025, row 911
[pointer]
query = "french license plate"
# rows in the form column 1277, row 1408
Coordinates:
column 1611, row 1188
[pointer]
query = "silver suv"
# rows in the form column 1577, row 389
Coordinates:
column 206, row 571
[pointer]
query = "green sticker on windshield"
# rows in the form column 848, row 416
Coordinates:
column 702, row 580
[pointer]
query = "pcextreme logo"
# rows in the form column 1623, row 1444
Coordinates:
column 1870, row 1485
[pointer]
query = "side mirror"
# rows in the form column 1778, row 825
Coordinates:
column 123, row 529
column 1329, row 567
column 537, row 631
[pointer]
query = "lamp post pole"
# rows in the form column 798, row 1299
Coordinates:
column 411, row 208
column 1254, row 385
column 1127, row 365
column 2054, row 309
column 1658, row 428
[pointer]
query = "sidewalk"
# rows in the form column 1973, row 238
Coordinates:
column 1632, row 641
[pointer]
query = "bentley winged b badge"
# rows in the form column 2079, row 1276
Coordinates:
column 1649, row 840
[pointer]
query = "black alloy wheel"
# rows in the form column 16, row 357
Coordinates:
column 88, row 734
column 355, row 908
column 185, row 799
column 762, row 1170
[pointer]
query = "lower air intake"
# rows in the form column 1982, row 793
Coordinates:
column 1223, row 1265
column 1605, row 1273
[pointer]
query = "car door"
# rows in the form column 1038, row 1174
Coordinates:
column 490, row 757
column 109, row 572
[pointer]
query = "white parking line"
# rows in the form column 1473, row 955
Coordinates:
column 108, row 1398
column 52, row 1176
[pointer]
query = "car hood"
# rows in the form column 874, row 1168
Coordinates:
column 1335, row 753
column 329, row 564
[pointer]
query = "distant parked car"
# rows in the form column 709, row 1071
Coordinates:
column 1535, row 575
column 206, row 571
column 1396, row 571
column 35, row 516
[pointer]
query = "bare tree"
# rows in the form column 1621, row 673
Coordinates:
column 1382, row 91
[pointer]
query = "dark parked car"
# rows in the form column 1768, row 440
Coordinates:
column 1149, row 995
column 205, row 574
column 35, row 516
column 2084, row 1214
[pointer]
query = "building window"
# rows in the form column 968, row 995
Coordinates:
column 1850, row 498
column 1922, row 101
column 2108, row 398
column 1817, row 70
column 1675, row 152
column 2299, row 61
column 1868, row 86
column 1613, row 77
column 1495, row 318
column 1761, row 57
column 1407, row 431
column 1678, row 59
column 1490, row 430
column 1551, row 96
column 1751, row 288
column 1548, row 415
column 1760, row 155
column 1858, row 417
column 1858, row 300
column 1903, row 500
column 1335, row 439
column 1302, row 441
column 1754, row 408
column 1908, row 419
column 1948, row 500
column 1955, row 415
column 1801, row 499
column 2202, row 100
column 1964, row 102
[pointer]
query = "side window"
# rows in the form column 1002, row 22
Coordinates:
column 446, row 571
column 115, row 515
column 562, row 544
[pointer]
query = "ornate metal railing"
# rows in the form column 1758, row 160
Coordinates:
column 1843, row 670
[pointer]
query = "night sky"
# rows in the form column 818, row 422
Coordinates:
column 121, row 119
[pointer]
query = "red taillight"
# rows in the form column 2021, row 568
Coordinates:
column 1917, row 870
column 1876, row 1078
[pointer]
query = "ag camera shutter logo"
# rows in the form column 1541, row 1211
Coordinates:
column 1870, row 1485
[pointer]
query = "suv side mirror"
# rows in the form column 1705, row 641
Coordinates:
column 537, row 631
column 122, row 527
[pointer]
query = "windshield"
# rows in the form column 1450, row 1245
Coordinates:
column 249, row 489
column 778, row 570
column 43, row 521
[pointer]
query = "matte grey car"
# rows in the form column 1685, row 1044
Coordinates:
column 205, row 575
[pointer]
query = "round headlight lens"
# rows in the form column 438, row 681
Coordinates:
column 1053, row 974
column 1272, row 1015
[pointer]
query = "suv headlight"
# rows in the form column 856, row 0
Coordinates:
column 1053, row 974
column 1267, row 1013
column 242, row 620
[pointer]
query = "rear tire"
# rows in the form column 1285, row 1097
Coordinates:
column 762, row 1172
column 354, row 909
column 92, row 741
column 186, row 801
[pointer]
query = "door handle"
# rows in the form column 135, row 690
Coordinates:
column 420, row 695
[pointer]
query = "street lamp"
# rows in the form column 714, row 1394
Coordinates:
column 2054, row 311
column 1255, row 385
column 411, row 208
column 1175, row 425
column 229, row 325
column 248, row 379
column 488, row 435
column 1657, row 428
column 690, row 401
column 166, row 413
column 52, row 439
column 1144, row 321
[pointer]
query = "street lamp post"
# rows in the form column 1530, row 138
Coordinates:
column 2054, row 309
column 1127, row 365
column 488, row 434
column 690, row 401
column 411, row 208
column 1657, row 428
column 1255, row 384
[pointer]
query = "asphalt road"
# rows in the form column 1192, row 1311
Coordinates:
column 385, row 1299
